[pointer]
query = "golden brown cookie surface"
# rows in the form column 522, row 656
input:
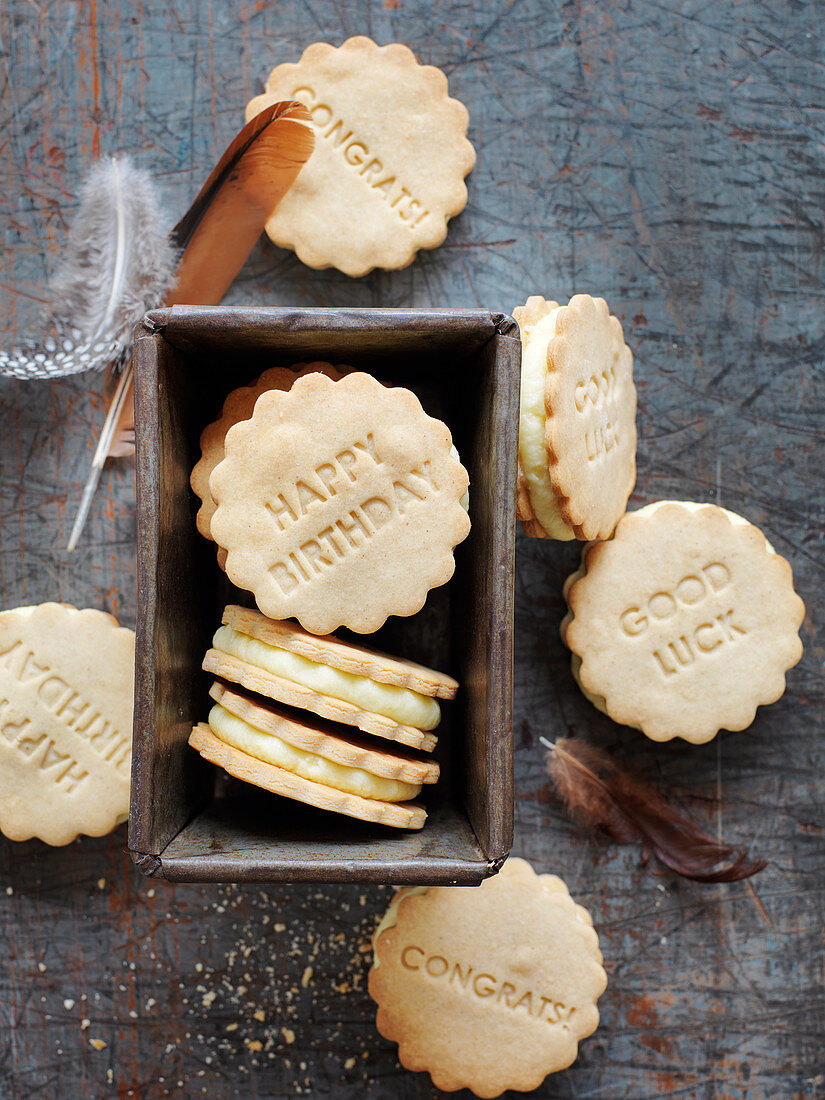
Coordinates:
column 66, row 685
column 684, row 623
column 488, row 988
column 339, row 503
column 390, row 157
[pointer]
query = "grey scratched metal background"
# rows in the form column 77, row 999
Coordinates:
column 668, row 155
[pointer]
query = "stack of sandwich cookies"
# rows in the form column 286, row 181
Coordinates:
column 489, row 988
column 684, row 623
column 577, row 431
column 339, row 503
column 326, row 766
column 239, row 405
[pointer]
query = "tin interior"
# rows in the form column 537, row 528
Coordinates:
column 191, row 822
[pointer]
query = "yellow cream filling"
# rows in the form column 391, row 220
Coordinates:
column 532, row 450
column 241, row 735
column 407, row 708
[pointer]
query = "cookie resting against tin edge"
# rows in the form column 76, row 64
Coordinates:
column 339, row 503
column 390, row 157
column 684, row 623
column 577, row 424
column 66, row 685
column 491, row 987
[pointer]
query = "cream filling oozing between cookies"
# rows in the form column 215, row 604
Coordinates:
column 533, row 416
column 271, row 749
column 598, row 701
column 401, row 705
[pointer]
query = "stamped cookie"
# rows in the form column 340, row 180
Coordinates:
column 339, row 503
column 336, row 680
column 684, row 623
column 66, row 684
column 487, row 988
column 577, row 430
column 391, row 154
column 239, row 405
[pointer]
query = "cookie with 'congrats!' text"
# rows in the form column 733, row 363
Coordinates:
column 488, row 988
column 66, row 684
column 684, row 623
column 577, row 426
column 391, row 154
column 339, row 503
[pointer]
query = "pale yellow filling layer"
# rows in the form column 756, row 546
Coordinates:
column 241, row 735
column 407, row 708
column 532, row 449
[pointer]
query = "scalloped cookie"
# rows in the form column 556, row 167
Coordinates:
column 391, row 155
column 684, row 623
column 577, row 430
column 491, row 987
column 66, row 685
column 339, row 503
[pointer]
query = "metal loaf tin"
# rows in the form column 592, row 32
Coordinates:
column 190, row 823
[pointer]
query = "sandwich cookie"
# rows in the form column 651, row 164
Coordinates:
column 66, row 686
column 336, row 680
column 339, row 503
column 391, row 154
column 684, row 623
column 239, row 405
column 577, row 427
column 316, row 764
column 488, row 988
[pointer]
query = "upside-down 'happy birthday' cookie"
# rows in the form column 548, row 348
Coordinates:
column 390, row 157
column 339, row 503
column 490, row 987
column 66, row 684
column 684, row 623
column 577, row 430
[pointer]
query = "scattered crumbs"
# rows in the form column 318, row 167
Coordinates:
column 199, row 967
column 260, row 1015
column 208, row 998
column 254, row 1044
column 306, row 977
column 110, row 1075
column 288, row 1034
column 663, row 940
column 362, row 901
column 41, row 967
column 10, row 890
column 150, row 1002
column 231, row 1027
column 101, row 884
column 660, row 886
column 150, row 893
column 349, row 1064
column 84, row 1023
column 132, row 1014
column 280, row 928
column 98, row 1044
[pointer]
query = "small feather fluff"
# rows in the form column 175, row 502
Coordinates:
column 117, row 263
column 602, row 796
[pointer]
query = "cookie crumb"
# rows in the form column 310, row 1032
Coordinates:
column 68, row 1004
column 101, row 884
column 288, row 1034
column 260, row 1015
column 98, row 1044
column 349, row 1064
column 306, row 977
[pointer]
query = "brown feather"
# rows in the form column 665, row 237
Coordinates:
column 599, row 794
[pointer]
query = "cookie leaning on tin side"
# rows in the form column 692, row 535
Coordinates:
column 487, row 988
column 391, row 154
column 339, row 503
column 684, row 623
column 66, row 685
column 577, row 427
